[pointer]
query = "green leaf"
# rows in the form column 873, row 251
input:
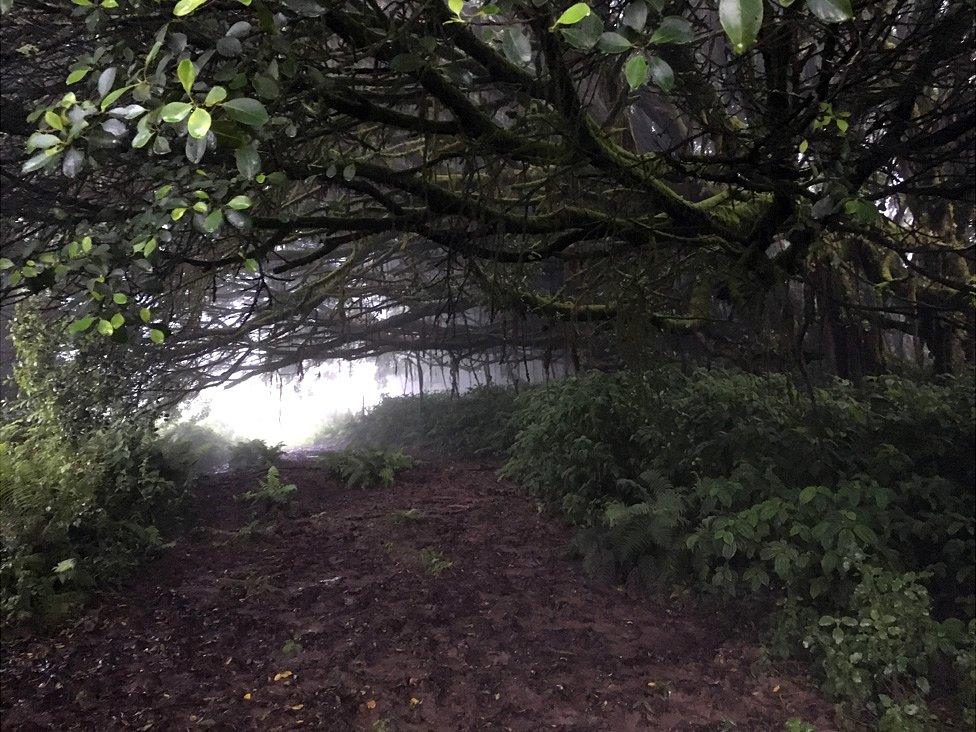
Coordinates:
column 611, row 42
column 112, row 97
column 584, row 34
column 186, row 72
column 831, row 11
column 246, row 111
column 251, row 265
column 37, row 162
column 117, row 320
column 177, row 213
column 156, row 335
column 517, row 47
column 456, row 6
column 636, row 72
column 82, row 324
column 53, row 120
column 248, row 161
column 635, row 15
column 185, row 7
column 77, row 75
column 573, row 14
column 213, row 221
column 41, row 141
column 265, row 86
column 239, row 203
column 145, row 315
column 104, row 327
column 808, row 493
column 175, row 111
column 150, row 247
column 199, row 123
column 741, row 20
column 215, row 96
column 120, row 298
column 673, row 29
column 662, row 73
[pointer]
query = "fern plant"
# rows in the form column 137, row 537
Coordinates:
column 367, row 468
column 271, row 494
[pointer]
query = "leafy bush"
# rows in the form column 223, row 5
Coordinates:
column 271, row 495
column 84, row 493
column 366, row 468
column 196, row 449
column 475, row 423
column 742, row 484
column 248, row 455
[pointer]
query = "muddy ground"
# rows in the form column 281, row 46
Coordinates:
column 466, row 614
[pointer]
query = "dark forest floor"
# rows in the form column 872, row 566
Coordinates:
column 334, row 622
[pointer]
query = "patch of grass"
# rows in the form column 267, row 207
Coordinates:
column 433, row 562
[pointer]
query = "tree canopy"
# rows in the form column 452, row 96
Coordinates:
column 237, row 186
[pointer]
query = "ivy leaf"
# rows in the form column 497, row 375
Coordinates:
column 662, row 73
column 573, row 14
column 673, row 29
column 185, row 7
column 199, row 123
column 611, row 42
column 186, row 72
column 831, row 11
column 741, row 20
column 175, row 111
column 246, row 111
column 636, row 72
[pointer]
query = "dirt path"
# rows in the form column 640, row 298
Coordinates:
column 334, row 622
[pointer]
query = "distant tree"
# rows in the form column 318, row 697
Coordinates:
column 239, row 186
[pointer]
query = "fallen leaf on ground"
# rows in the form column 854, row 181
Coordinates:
column 282, row 675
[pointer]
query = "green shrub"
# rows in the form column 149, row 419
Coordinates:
column 248, row 455
column 475, row 423
column 194, row 449
column 271, row 495
column 743, row 485
column 75, row 517
column 366, row 468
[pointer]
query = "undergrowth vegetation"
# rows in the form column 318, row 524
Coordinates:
column 475, row 424
column 85, row 494
column 845, row 513
column 367, row 468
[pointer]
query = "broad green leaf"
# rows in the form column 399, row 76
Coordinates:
column 120, row 298
column 673, row 29
column 186, row 72
column 636, row 72
column 82, row 324
column 635, row 15
column 213, row 221
column 145, row 315
column 37, row 162
column 248, row 161
column 517, row 47
column 246, row 111
column 156, row 335
column 251, row 265
column 112, row 97
column 611, row 42
column 41, row 141
column 573, row 14
column 185, row 7
column 265, row 86
column 53, row 120
column 150, row 247
column 177, row 213
column 456, row 6
column 662, row 73
column 77, row 75
column 831, row 11
column 117, row 321
column 584, row 34
column 199, row 123
column 239, row 203
column 741, row 20
column 175, row 111
column 105, row 327
column 215, row 96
